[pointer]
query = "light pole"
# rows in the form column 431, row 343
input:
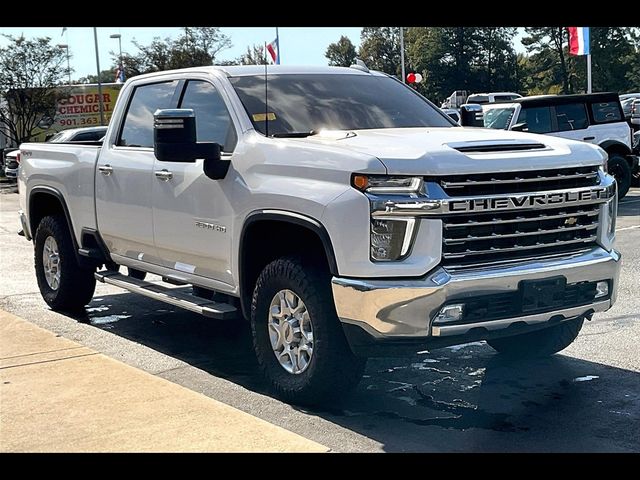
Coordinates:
column 119, row 37
column 66, row 47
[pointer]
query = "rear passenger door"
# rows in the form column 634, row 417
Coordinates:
column 124, row 176
column 572, row 121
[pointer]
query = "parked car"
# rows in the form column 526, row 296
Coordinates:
column 482, row 98
column 85, row 134
column 595, row 118
column 453, row 113
column 635, row 114
column 626, row 100
column 11, row 163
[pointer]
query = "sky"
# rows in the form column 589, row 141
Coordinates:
column 298, row 46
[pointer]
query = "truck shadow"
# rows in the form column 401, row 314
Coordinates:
column 462, row 398
column 630, row 204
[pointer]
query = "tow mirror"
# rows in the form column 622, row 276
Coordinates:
column 174, row 140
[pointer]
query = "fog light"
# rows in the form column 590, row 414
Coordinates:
column 602, row 289
column 450, row 313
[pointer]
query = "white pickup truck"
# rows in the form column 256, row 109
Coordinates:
column 337, row 210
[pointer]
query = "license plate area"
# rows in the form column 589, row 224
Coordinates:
column 542, row 295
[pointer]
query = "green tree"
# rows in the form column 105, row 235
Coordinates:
column 341, row 53
column 613, row 56
column 106, row 76
column 255, row 55
column 197, row 46
column 380, row 49
column 549, row 55
column 30, row 69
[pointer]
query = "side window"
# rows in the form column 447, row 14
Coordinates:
column 137, row 130
column 572, row 116
column 605, row 112
column 213, row 123
column 538, row 119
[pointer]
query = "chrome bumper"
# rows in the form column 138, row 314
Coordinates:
column 405, row 308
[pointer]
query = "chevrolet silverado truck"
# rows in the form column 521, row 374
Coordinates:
column 337, row 210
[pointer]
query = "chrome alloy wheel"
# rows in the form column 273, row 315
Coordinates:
column 51, row 262
column 290, row 331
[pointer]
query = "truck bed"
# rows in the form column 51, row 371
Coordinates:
column 68, row 168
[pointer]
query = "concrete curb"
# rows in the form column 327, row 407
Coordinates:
column 59, row 396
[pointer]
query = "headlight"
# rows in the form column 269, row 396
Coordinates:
column 383, row 184
column 391, row 239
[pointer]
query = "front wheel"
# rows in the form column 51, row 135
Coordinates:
column 297, row 337
column 539, row 343
column 63, row 283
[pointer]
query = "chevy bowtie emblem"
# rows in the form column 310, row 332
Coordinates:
column 570, row 221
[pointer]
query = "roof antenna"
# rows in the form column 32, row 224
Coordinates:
column 266, row 94
column 360, row 65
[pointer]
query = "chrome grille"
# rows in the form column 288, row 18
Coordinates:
column 494, row 237
column 517, row 182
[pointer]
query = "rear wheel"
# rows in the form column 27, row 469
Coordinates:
column 620, row 169
column 298, row 339
column 63, row 283
column 539, row 343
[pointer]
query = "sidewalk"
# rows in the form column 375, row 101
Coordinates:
column 59, row 396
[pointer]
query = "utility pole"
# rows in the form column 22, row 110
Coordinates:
column 95, row 40
column 404, row 80
column 120, row 65
column 66, row 47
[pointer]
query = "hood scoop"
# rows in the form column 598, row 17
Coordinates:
column 496, row 146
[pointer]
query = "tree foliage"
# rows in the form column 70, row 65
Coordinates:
column 380, row 49
column 255, row 55
column 462, row 58
column 341, row 53
column 30, row 69
column 197, row 46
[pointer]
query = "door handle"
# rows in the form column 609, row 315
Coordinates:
column 164, row 174
column 106, row 170
column 589, row 138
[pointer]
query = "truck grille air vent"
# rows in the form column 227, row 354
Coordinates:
column 498, row 147
column 517, row 182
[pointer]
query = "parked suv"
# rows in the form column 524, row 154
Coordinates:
column 85, row 134
column 482, row 98
column 635, row 114
column 595, row 118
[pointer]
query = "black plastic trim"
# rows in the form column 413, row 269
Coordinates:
column 97, row 238
column 56, row 193
column 614, row 143
column 288, row 217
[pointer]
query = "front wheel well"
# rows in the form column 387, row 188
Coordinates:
column 615, row 149
column 264, row 240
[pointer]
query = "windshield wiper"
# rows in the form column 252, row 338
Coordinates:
column 294, row 134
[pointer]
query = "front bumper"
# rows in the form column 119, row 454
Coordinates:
column 380, row 311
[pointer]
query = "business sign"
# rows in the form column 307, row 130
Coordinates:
column 80, row 107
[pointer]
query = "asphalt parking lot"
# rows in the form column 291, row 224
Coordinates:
column 463, row 398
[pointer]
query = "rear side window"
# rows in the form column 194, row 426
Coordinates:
column 213, row 123
column 606, row 112
column 137, row 130
column 572, row 116
column 538, row 119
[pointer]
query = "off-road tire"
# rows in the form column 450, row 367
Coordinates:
column 620, row 169
column 77, row 283
column 333, row 369
column 539, row 343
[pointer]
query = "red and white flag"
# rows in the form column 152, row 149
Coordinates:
column 274, row 51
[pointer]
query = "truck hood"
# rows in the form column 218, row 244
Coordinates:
column 447, row 150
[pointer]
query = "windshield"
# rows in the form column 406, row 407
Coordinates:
column 498, row 118
column 311, row 102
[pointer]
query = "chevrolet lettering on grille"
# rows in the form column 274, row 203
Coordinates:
column 515, row 202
